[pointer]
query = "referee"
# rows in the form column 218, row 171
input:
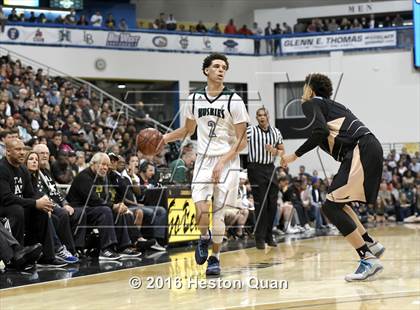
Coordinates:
column 264, row 144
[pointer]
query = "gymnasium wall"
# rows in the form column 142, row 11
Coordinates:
column 381, row 88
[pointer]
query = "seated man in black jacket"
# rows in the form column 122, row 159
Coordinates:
column 29, row 217
column 69, row 222
column 14, row 255
column 90, row 191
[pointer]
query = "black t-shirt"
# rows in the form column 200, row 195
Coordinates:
column 15, row 186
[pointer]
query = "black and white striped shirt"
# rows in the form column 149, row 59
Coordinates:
column 257, row 139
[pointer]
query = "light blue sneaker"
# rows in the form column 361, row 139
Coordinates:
column 65, row 256
column 213, row 266
column 202, row 250
column 367, row 269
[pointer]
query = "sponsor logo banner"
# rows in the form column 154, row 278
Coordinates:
column 191, row 43
column 339, row 42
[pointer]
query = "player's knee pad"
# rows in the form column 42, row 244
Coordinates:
column 335, row 213
column 218, row 227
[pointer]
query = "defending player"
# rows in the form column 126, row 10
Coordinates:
column 339, row 133
column 221, row 119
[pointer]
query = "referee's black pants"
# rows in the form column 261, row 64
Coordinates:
column 264, row 190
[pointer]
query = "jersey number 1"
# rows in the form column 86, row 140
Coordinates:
column 212, row 126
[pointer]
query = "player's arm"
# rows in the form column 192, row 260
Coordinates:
column 320, row 131
column 240, row 144
column 181, row 133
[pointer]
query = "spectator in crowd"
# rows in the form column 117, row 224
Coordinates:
column 59, row 20
column 268, row 31
column 230, row 28
column 364, row 23
column 286, row 28
column 257, row 31
column 216, row 29
column 61, row 169
column 345, row 24
column 332, row 26
column 55, row 144
column 14, row 255
column 200, row 27
column 303, row 174
column 96, row 19
column 122, row 25
column 171, row 23
column 285, row 207
column 3, row 19
column 316, row 203
column 28, row 216
column 398, row 21
column 356, row 25
column 387, row 22
column 13, row 17
column 293, row 195
column 5, row 136
column 71, row 18
column 299, row 27
column 60, row 217
column 141, row 118
column 312, row 27
column 372, row 22
column 114, row 242
column 82, row 21
column 236, row 216
column 31, row 18
column 180, row 168
column 277, row 31
column 141, row 179
column 245, row 31
column 161, row 21
column 110, row 22
column 42, row 19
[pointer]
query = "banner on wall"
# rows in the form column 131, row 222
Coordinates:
column 125, row 40
column 343, row 41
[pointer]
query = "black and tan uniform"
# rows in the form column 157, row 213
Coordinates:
column 337, row 131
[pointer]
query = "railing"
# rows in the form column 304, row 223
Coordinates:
column 186, row 42
column 117, row 104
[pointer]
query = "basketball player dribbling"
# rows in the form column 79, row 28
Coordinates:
column 221, row 120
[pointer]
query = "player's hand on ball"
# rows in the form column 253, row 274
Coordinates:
column 161, row 145
column 287, row 159
column 217, row 171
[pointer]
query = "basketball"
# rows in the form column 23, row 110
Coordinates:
column 148, row 140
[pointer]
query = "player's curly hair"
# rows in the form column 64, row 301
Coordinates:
column 320, row 84
column 208, row 60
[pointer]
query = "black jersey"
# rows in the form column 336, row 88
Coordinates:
column 335, row 129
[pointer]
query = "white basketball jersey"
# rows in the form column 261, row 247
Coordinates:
column 215, row 118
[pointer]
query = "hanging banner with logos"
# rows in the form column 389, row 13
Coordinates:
column 361, row 40
column 125, row 40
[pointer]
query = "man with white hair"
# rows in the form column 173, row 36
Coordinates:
column 90, row 191
column 68, row 221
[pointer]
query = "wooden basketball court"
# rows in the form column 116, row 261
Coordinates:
column 314, row 270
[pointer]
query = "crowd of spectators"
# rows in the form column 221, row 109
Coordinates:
column 96, row 20
column 163, row 22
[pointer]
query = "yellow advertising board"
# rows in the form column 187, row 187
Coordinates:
column 182, row 220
